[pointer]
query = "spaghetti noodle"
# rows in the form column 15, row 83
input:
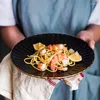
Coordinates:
column 52, row 57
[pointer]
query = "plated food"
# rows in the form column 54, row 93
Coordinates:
column 53, row 57
column 81, row 56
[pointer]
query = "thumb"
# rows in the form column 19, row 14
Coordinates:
column 91, row 44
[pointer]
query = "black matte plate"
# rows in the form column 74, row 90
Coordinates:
column 25, row 47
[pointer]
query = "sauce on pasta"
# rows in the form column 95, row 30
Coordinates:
column 52, row 57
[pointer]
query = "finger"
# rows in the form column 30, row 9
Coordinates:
column 92, row 44
column 82, row 37
column 87, row 39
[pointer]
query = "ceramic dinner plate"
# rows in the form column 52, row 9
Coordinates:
column 25, row 47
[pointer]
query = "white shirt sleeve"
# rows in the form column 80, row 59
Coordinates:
column 6, row 13
column 95, row 15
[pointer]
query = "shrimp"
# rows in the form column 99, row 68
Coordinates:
column 42, row 67
column 53, row 63
column 57, row 59
column 55, row 47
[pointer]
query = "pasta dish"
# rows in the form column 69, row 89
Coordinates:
column 52, row 57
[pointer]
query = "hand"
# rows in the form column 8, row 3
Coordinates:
column 87, row 36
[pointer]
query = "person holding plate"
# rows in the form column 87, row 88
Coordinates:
column 24, row 18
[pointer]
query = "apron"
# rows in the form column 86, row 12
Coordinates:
column 66, row 17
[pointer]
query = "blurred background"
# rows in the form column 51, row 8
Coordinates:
column 4, row 50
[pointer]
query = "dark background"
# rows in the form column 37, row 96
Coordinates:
column 4, row 50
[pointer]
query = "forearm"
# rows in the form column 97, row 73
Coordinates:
column 95, row 31
column 11, row 35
